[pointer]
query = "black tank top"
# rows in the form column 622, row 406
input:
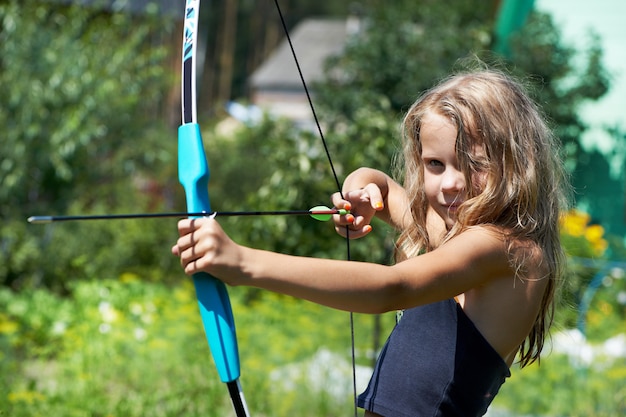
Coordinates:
column 436, row 364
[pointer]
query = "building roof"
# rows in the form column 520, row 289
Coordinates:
column 314, row 40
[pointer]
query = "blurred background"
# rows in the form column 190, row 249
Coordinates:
column 97, row 319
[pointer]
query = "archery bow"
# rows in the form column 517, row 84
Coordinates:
column 193, row 173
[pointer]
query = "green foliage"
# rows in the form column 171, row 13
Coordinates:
column 594, row 290
column 606, row 316
column 125, row 347
column 79, row 85
column 405, row 47
column 562, row 387
column 564, row 77
column 81, row 93
column 113, row 349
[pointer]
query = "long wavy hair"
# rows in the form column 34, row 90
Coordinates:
column 523, row 187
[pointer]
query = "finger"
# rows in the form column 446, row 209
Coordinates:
column 184, row 243
column 189, row 225
column 192, row 267
column 189, row 259
column 359, row 222
column 354, row 232
column 343, row 219
column 375, row 196
column 340, row 202
column 186, row 226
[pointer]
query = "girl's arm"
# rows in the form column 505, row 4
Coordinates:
column 467, row 261
column 367, row 193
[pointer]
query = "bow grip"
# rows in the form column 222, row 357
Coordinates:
column 213, row 300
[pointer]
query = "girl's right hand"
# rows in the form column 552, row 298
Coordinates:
column 363, row 204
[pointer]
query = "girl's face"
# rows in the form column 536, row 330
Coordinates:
column 443, row 182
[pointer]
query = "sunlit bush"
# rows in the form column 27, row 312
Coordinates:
column 127, row 347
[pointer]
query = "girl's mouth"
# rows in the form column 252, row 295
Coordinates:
column 452, row 207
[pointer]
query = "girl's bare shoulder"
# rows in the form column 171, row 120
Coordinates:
column 476, row 243
column 485, row 252
column 471, row 259
column 520, row 257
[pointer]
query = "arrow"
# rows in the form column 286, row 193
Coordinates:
column 321, row 213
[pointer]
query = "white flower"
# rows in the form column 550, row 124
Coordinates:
column 136, row 308
column 140, row 334
column 107, row 312
column 104, row 328
column 59, row 327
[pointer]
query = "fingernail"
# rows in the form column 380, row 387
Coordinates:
column 367, row 228
column 347, row 206
column 378, row 205
column 350, row 218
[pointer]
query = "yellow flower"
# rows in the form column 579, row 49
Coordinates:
column 127, row 277
column 7, row 326
column 595, row 235
column 25, row 396
column 574, row 222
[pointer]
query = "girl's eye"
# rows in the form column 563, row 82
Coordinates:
column 434, row 163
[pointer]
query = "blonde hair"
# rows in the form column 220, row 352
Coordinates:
column 522, row 187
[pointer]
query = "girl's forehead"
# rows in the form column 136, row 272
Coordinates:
column 437, row 129
column 438, row 132
column 434, row 123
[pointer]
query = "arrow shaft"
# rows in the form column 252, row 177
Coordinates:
column 312, row 212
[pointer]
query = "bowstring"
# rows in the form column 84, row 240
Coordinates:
column 336, row 178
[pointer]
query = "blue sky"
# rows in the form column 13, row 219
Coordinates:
column 606, row 18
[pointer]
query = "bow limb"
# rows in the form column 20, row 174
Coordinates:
column 193, row 174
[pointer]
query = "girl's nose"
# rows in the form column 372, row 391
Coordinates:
column 452, row 181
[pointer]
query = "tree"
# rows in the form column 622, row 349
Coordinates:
column 79, row 109
column 402, row 49
column 561, row 86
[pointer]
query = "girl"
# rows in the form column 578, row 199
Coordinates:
column 478, row 257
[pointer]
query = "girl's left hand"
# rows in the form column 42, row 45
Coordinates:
column 363, row 204
column 203, row 246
